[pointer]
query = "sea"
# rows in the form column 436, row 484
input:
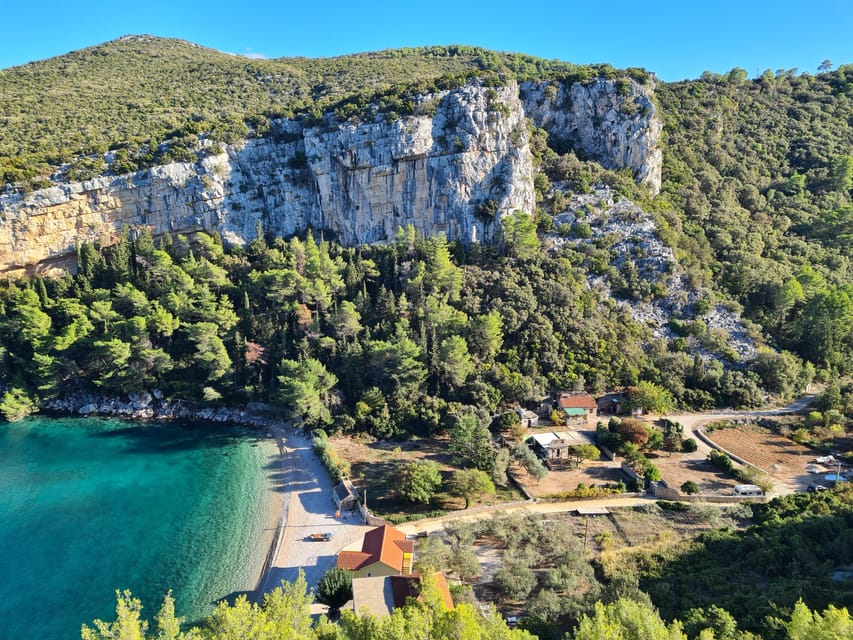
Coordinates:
column 90, row 506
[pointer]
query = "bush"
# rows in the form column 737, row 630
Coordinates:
column 673, row 506
column 689, row 445
column 720, row 460
column 505, row 421
column 337, row 468
column 17, row 405
column 801, row 436
column 690, row 488
column 515, row 580
column 335, row 589
column 582, row 491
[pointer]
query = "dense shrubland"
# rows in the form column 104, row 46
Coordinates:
column 759, row 174
column 152, row 100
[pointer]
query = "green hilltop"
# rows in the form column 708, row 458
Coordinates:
column 138, row 91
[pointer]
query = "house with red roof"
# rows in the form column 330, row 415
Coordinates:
column 385, row 551
column 576, row 406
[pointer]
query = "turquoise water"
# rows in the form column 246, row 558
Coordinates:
column 89, row 506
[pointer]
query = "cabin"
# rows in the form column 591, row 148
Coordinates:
column 613, row 404
column 380, row 595
column 576, row 407
column 385, row 551
column 528, row 418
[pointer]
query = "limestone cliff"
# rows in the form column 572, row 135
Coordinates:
column 458, row 168
column 612, row 121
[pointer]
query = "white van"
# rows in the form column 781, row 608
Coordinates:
column 748, row 490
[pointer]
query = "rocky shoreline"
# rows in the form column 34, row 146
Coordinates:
column 153, row 406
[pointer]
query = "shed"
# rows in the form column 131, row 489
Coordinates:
column 345, row 495
column 528, row 418
column 553, row 446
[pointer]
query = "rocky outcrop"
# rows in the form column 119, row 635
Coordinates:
column 614, row 122
column 663, row 291
column 457, row 169
column 152, row 406
column 44, row 227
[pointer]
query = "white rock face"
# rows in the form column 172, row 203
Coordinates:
column 458, row 172
column 364, row 181
column 611, row 122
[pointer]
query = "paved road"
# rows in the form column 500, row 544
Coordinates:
column 692, row 421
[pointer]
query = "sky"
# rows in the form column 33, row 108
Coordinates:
column 674, row 39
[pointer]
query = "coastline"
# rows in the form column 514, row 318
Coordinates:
column 276, row 512
column 272, row 438
column 294, row 472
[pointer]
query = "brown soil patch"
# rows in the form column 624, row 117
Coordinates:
column 677, row 468
column 781, row 458
column 778, row 456
column 591, row 473
column 375, row 466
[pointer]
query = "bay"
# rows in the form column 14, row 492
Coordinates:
column 88, row 506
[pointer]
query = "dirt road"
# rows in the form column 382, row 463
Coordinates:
column 306, row 507
column 429, row 525
column 693, row 421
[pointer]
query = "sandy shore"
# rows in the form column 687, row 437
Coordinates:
column 301, row 503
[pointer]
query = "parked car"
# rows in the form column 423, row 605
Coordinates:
column 813, row 488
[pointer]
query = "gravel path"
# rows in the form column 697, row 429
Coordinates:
column 306, row 507
column 430, row 525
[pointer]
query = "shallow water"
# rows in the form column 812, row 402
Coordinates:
column 88, row 506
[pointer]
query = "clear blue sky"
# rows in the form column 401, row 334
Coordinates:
column 675, row 39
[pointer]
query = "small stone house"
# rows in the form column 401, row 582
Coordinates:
column 345, row 495
column 576, row 407
column 528, row 418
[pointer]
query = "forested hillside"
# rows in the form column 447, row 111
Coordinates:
column 756, row 203
column 380, row 339
column 758, row 175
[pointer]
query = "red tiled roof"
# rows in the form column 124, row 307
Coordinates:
column 384, row 544
column 580, row 401
column 403, row 587
column 443, row 589
column 381, row 595
column 353, row 560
